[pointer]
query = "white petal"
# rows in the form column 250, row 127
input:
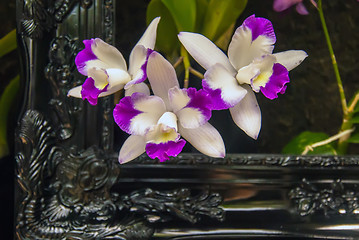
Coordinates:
column 291, row 58
column 117, row 76
column 108, row 54
column 257, row 73
column 247, row 73
column 137, row 59
column 178, row 98
column 133, row 147
column 205, row 52
column 140, row 87
column 169, row 119
column 161, row 75
column 99, row 76
column 191, row 117
column 256, row 67
column 75, row 92
column 161, row 133
column 188, row 116
column 148, row 39
column 96, row 64
column 247, row 114
column 205, row 139
column 111, row 90
column 242, row 51
column 152, row 108
column 218, row 77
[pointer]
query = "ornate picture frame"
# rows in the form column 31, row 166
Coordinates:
column 71, row 186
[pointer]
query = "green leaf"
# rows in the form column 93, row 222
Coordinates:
column 167, row 41
column 297, row 145
column 183, row 13
column 6, row 101
column 223, row 41
column 354, row 138
column 8, row 43
column 202, row 6
column 355, row 119
column 220, row 15
column 356, row 107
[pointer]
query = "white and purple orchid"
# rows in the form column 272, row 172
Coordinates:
column 157, row 122
column 250, row 65
column 106, row 68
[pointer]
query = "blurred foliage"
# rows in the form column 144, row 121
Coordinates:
column 214, row 19
column 8, row 43
column 7, row 96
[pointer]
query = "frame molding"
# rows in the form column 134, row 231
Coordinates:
column 70, row 185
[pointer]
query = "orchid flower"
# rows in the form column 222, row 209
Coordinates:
column 281, row 5
column 250, row 65
column 106, row 68
column 157, row 122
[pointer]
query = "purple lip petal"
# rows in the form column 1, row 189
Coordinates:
column 84, row 56
column 201, row 101
column 124, row 112
column 276, row 83
column 215, row 97
column 90, row 92
column 260, row 26
column 163, row 151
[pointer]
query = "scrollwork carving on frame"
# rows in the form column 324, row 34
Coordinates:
column 336, row 198
column 68, row 194
column 41, row 16
column 261, row 160
column 61, row 73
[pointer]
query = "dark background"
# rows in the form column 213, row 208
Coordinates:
column 311, row 101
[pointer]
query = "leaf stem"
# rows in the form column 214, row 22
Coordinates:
column 196, row 73
column 178, row 62
column 327, row 141
column 353, row 103
column 187, row 65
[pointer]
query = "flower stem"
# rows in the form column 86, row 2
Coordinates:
column 347, row 124
column 347, row 115
column 196, row 73
column 334, row 62
column 178, row 62
column 187, row 65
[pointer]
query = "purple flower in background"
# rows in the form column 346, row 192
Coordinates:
column 106, row 68
column 250, row 66
column 281, row 5
column 157, row 123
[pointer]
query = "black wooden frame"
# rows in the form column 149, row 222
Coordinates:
column 70, row 185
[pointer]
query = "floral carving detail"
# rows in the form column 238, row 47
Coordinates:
column 337, row 198
column 163, row 205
